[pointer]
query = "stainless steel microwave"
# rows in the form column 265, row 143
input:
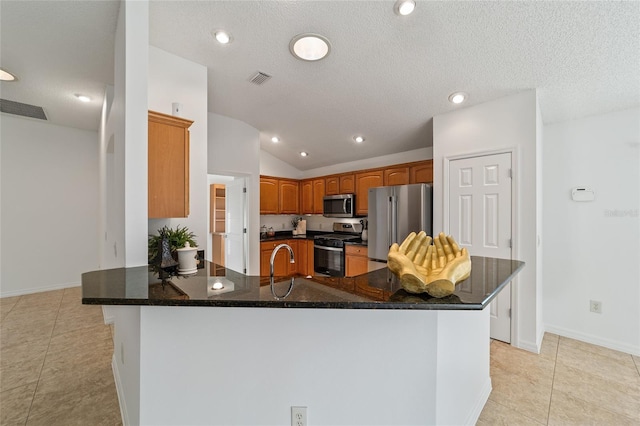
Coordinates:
column 343, row 205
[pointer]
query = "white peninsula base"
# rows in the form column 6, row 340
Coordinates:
column 248, row 366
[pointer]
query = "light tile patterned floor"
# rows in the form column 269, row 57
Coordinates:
column 55, row 362
column 56, row 353
column 569, row 383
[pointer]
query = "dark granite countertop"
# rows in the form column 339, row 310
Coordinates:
column 288, row 235
column 375, row 290
column 310, row 235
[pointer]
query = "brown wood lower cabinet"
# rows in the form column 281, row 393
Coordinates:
column 302, row 251
column 357, row 260
column 304, row 257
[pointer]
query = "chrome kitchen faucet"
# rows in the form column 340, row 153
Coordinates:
column 291, row 260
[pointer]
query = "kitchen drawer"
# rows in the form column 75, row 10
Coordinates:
column 356, row 250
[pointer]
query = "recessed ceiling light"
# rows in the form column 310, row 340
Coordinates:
column 275, row 139
column 358, row 139
column 304, row 154
column 309, row 47
column 6, row 76
column 83, row 98
column 404, row 7
column 458, row 97
column 222, row 36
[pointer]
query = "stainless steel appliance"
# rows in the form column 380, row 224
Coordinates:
column 328, row 249
column 342, row 205
column 395, row 212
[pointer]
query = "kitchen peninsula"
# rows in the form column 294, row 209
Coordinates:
column 353, row 350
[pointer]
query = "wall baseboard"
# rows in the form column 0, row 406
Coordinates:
column 594, row 340
column 527, row 346
column 474, row 415
column 107, row 315
column 120, row 392
column 33, row 290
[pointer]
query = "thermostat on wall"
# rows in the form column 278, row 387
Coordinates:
column 582, row 194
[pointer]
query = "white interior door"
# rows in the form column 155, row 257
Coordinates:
column 235, row 242
column 480, row 220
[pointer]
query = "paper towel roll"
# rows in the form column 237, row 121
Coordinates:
column 302, row 227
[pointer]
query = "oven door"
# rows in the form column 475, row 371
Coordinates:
column 328, row 260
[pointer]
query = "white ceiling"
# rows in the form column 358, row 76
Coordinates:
column 385, row 78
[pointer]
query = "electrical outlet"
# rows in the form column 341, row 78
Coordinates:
column 283, row 226
column 298, row 416
column 595, row 306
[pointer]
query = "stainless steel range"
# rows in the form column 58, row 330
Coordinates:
column 328, row 249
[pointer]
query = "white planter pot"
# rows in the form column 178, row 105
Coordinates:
column 187, row 260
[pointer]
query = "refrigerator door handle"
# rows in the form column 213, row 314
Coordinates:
column 389, row 233
column 394, row 220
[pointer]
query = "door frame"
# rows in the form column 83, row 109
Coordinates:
column 515, row 202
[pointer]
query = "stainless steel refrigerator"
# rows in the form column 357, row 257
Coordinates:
column 395, row 212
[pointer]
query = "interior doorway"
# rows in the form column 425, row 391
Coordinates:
column 480, row 219
column 228, row 221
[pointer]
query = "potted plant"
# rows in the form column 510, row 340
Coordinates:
column 169, row 240
column 294, row 223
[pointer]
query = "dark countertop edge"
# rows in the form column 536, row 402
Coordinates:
column 303, row 304
column 493, row 295
column 285, row 304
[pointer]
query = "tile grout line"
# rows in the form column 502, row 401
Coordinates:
column 14, row 305
column 636, row 364
column 553, row 379
column 613, row 412
column 44, row 360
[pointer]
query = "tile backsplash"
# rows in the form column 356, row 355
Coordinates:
column 314, row 222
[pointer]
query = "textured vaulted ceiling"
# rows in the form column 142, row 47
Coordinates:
column 385, row 78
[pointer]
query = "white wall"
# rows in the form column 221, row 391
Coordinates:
column 174, row 79
column 505, row 124
column 123, row 187
column 126, row 361
column 234, row 150
column 592, row 248
column 49, row 218
column 123, row 145
column 135, row 57
column 272, row 166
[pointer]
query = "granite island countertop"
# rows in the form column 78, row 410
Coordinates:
column 375, row 290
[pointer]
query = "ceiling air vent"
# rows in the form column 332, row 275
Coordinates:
column 260, row 78
column 25, row 110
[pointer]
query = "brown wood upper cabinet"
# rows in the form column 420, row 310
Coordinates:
column 288, row 196
column 364, row 181
column 347, row 184
column 269, row 195
column 306, row 196
column 168, row 166
column 311, row 195
column 396, row 176
column 281, row 196
column 278, row 196
column 332, row 185
column 318, row 196
column 421, row 172
column 340, row 184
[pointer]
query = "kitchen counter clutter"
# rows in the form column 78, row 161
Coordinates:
column 374, row 290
